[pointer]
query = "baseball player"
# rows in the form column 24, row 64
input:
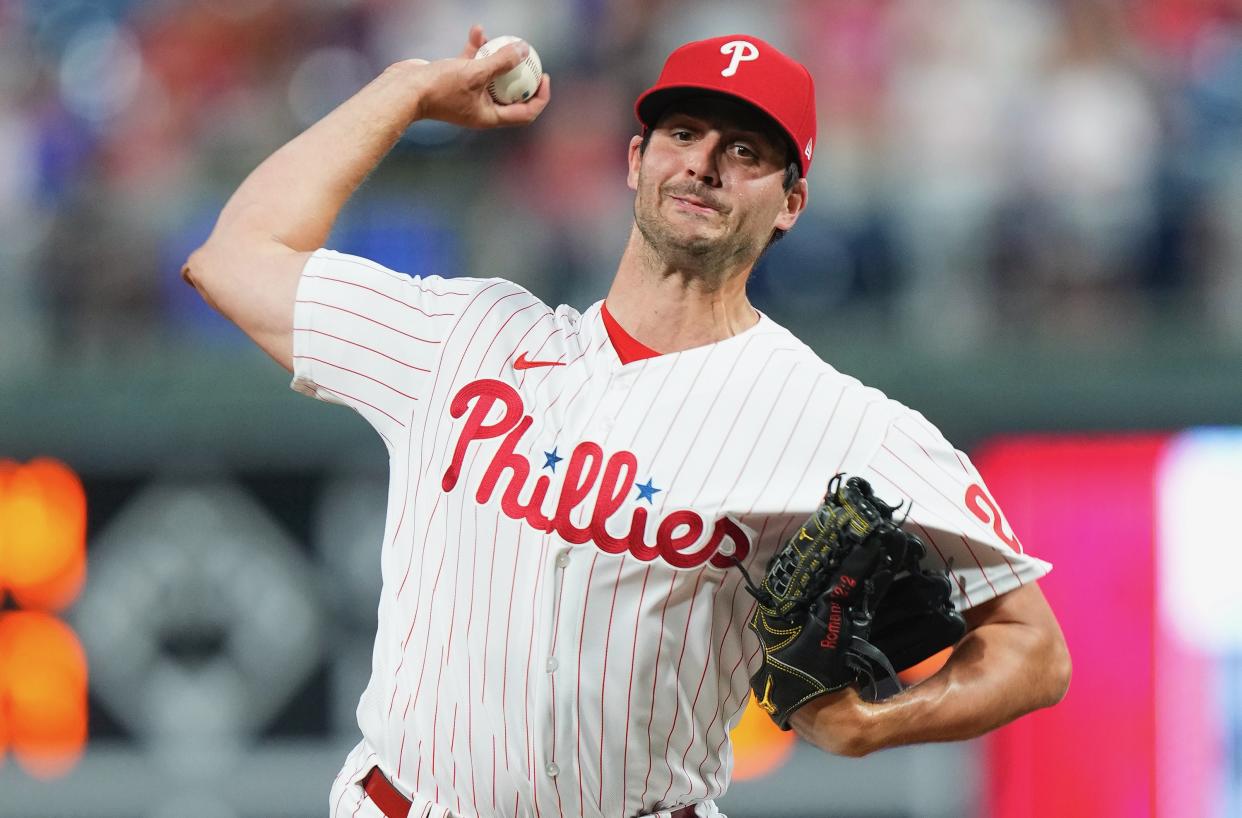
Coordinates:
column 562, row 627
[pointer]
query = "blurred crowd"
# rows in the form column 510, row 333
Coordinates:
column 1058, row 168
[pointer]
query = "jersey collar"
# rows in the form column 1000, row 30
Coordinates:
column 628, row 348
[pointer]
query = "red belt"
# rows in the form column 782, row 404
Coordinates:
column 395, row 805
column 385, row 796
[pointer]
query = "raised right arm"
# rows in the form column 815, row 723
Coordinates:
column 248, row 269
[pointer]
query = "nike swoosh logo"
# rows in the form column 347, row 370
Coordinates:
column 523, row 363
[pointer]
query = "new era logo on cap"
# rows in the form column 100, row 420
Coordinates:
column 747, row 69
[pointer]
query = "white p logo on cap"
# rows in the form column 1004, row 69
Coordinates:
column 741, row 51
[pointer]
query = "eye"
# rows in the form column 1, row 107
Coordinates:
column 745, row 151
column 681, row 134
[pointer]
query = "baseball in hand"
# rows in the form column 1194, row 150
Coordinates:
column 519, row 84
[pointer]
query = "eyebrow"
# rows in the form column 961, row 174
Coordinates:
column 755, row 133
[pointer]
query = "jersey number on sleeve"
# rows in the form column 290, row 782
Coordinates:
column 976, row 500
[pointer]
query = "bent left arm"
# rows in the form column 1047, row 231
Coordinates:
column 1012, row 660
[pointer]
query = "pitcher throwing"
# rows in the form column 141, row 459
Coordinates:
column 563, row 627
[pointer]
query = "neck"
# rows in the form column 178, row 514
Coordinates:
column 671, row 308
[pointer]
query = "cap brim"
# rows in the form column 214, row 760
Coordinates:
column 652, row 105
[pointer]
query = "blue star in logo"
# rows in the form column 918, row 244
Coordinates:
column 552, row 460
column 646, row 491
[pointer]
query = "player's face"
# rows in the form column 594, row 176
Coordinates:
column 710, row 186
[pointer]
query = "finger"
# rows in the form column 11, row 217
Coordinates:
column 474, row 41
column 506, row 59
column 523, row 113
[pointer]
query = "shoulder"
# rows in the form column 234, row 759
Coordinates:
column 499, row 299
column 336, row 277
column 807, row 366
column 840, row 402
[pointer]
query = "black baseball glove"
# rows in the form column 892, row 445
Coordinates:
column 846, row 602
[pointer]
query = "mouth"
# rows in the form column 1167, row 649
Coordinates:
column 694, row 205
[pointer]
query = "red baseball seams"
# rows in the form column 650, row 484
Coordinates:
column 676, row 532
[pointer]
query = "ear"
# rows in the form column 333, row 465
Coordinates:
column 635, row 161
column 795, row 203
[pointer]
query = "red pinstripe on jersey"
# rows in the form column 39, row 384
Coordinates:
column 355, row 401
column 382, row 294
column 361, row 346
column 364, row 317
column 629, row 693
column 426, row 417
column 422, row 285
column 735, row 480
column 344, row 368
column 652, row 655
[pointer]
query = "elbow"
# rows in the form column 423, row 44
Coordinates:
column 1066, row 671
column 193, row 268
column 201, row 270
column 1060, row 669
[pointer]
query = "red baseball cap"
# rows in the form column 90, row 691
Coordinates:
column 748, row 69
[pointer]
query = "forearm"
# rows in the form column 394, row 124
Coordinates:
column 295, row 195
column 996, row 673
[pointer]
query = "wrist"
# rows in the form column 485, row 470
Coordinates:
column 409, row 77
column 869, row 734
column 840, row 723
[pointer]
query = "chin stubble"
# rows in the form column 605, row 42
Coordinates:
column 709, row 258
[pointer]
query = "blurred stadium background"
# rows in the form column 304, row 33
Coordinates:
column 1026, row 221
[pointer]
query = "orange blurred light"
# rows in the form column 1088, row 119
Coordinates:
column 759, row 746
column 43, row 682
column 42, row 533
column 57, row 593
column 928, row 667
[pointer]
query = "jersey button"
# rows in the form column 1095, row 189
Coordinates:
column 552, row 769
column 562, row 560
column 551, row 664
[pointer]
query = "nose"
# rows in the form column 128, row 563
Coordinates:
column 702, row 160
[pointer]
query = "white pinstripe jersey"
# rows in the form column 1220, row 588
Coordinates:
column 560, row 632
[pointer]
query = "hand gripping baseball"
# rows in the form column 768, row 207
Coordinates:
column 455, row 90
column 844, row 602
